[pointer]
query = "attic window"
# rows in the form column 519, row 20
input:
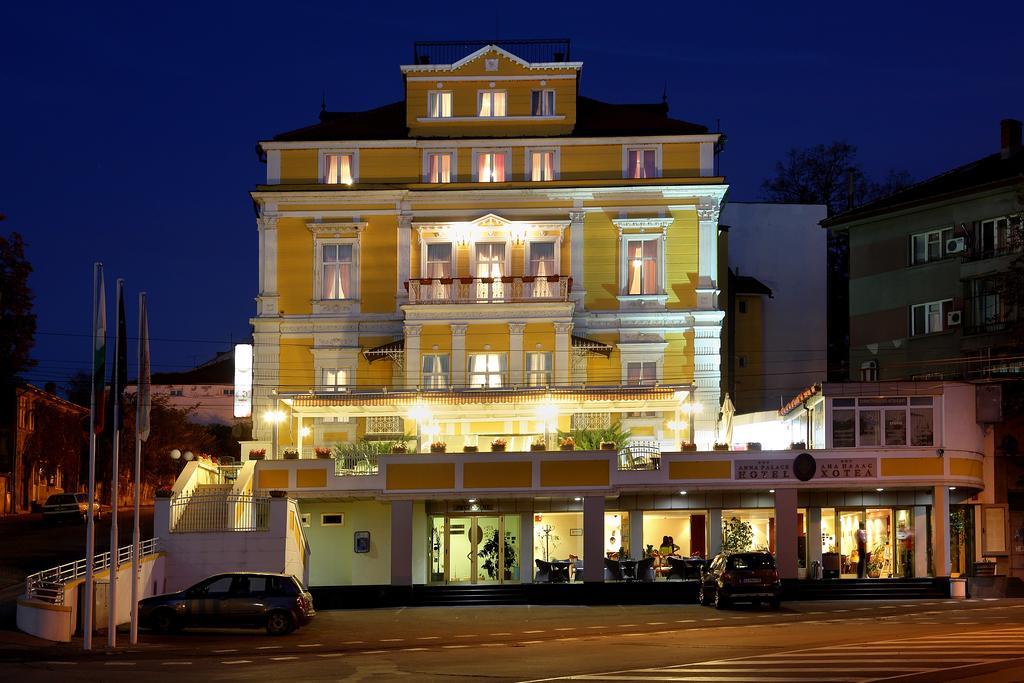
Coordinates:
column 542, row 103
column 491, row 103
column 439, row 104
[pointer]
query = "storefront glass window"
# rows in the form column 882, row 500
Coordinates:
column 895, row 427
column 682, row 533
column 869, row 428
column 921, row 431
column 843, row 435
column 759, row 523
column 828, row 530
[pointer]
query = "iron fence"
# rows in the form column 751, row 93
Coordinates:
column 48, row 585
column 219, row 512
column 640, row 455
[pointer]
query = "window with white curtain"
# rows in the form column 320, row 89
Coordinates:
column 930, row 317
column 642, row 163
column 642, row 266
column 338, row 169
column 439, row 104
column 439, row 260
column 491, row 103
column 440, row 167
column 538, row 368
column 486, row 370
column 542, row 259
column 542, row 103
column 336, row 262
column 435, row 371
column 642, row 373
column 542, row 165
column 491, row 167
column 334, row 379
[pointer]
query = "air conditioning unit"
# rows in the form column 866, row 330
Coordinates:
column 955, row 245
column 954, row 318
column 869, row 365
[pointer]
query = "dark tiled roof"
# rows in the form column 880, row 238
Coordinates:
column 593, row 119
column 220, row 370
column 745, row 284
column 987, row 172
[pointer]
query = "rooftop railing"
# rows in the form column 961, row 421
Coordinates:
column 475, row 290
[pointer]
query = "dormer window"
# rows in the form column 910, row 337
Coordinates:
column 542, row 103
column 339, row 169
column 491, row 103
column 641, row 162
column 439, row 104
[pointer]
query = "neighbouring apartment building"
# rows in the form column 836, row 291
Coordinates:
column 495, row 259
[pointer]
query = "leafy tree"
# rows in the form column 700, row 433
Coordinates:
column 591, row 439
column 737, row 535
column 58, row 443
column 831, row 175
column 17, row 321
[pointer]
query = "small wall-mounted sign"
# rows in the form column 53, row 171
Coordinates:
column 575, row 532
column 362, row 541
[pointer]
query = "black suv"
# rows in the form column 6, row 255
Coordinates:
column 277, row 602
column 741, row 577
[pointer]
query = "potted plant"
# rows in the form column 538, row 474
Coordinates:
column 323, row 453
column 257, row 453
column 609, row 446
column 538, row 446
column 876, row 560
column 753, row 445
column 438, row 447
column 291, row 454
column 798, row 445
column 469, row 449
column 398, row 448
column 721, row 446
column 686, row 446
column 498, row 444
column 567, row 444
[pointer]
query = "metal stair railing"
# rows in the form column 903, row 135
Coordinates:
column 48, row 585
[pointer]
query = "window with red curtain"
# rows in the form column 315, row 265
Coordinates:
column 642, row 266
column 491, row 167
column 641, row 163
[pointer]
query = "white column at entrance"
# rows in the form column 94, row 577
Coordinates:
column 526, row 547
column 785, row 533
column 636, row 534
column 515, row 354
column 593, row 539
column 714, row 532
column 576, row 260
column 563, row 332
column 458, row 368
column 401, row 543
column 412, row 356
column 920, row 541
column 813, row 538
column 940, row 531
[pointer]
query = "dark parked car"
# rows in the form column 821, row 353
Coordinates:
column 277, row 602
column 741, row 577
column 60, row 507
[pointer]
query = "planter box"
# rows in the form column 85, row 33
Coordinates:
column 608, row 446
column 399, row 449
column 291, row 455
column 721, row 447
column 469, row 449
column 257, row 456
column 538, row 447
column 497, row 448
column 325, row 456
column 566, row 448
column 688, row 447
column 438, row 450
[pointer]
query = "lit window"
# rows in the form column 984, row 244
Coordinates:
column 538, row 368
column 435, row 371
column 642, row 373
column 338, row 169
column 439, row 104
column 491, row 103
column 439, row 167
column 490, row 167
column 642, row 266
column 929, row 317
column 334, row 379
column 874, row 422
column 542, row 103
column 486, row 370
column 642, row 163
column 929, row 246
column 542, row 165
column 542, row 259
column 439, row 260
column 336, row 271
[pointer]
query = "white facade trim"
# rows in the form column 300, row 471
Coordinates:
column 273, row 166
column 493, row 77
column 420, row 68
column 267, row 145
column 482, row 119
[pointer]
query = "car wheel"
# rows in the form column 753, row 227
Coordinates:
column 280, row 623
column 720, row 601
column 165, row 621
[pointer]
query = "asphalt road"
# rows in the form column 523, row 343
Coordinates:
column 979, row 640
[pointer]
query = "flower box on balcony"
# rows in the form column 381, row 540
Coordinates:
column 446, row 280
column 753, row 446
column 567, row 444
column 538, row 447
column 498, row 445
column 323, row 453
column 438, row 447
column 507, row 279
column 688, row 447
column 553, row 278
column 258, row 454
column 797, row 446
column 425, row 280
column 469, row 449
column 529, row 278
column 609, row 446
column 466, row 280
column 721, row 447
column 291, row 455
column 399, row 448
column 278, row 494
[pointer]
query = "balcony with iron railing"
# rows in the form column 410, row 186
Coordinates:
column 477, row 290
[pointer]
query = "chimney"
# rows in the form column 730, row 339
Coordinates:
column 1009, row 137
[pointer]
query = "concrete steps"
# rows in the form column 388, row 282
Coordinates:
column 867, row 589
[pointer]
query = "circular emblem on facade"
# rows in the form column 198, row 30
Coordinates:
column 804, row 467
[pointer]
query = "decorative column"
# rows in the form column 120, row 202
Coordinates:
column 786, row 533
column 707, row 375
column 714, row 532
column 404, row 257
column 412, row 356
column 920, row 541
column 458, row 366
column 401, row 543
column 576, row 259
column 813, row 537
column 526, row 547
column 266, row 373
column 593, row 539
column 940, row 531
column 515, row 354
column 563, row 368
column 707, row 254
column 267, row 302
column 636, row 534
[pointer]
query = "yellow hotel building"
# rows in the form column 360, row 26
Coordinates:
column 488, row 264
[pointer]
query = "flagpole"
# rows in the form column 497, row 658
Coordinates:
column 87, row 616
column 139, row 398
column 114, row 469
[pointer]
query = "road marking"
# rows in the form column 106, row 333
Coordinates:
column 414, row 649
column 423, row 638
column 467, row 635
column 573, row 628
column 540, row 631
column 715, row 619
column 656, row 623
column 502, row 634
column 174, row 663
column 325, row 655
column 569, row 638
column 990, row 599
column 220, row 652
column 268, row 647
column 628, row 625
column 492, row 644
column 607, row 627
column 237, row 661
column 312, row 645
column 454, row 647
column 394, row 640
column 119, row 663
column 282, row 659
column 530, row 642
column 678, row 621
column 370, row 652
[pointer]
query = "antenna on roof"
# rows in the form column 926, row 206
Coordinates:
column 323, row 101
column 664, row 95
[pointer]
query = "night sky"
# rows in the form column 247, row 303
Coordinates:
column 127, row 132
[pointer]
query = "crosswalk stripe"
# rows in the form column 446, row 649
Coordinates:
column 736, row 679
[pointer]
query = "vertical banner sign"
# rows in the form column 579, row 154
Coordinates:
column 243, row 380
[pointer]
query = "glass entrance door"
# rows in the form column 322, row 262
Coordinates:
column 474, row 549
column 866, row 543
column 850, row 521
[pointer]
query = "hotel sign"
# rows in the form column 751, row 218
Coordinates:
column 836, row 468
column 243, row 380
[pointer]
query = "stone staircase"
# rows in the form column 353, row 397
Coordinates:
column 207, row 509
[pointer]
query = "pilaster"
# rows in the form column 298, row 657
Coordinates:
column 267, row 302
column 266, row 373
column 563, row 367
column 413, row 366
column 515, row 354
column 786, row 533
column 593, row 539
column 404, row 257
column 940, row 531
column 458, row 361
column 576, row 257
column 707, row 375
column 707, row 254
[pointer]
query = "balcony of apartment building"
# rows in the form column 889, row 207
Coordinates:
column 489, row 290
